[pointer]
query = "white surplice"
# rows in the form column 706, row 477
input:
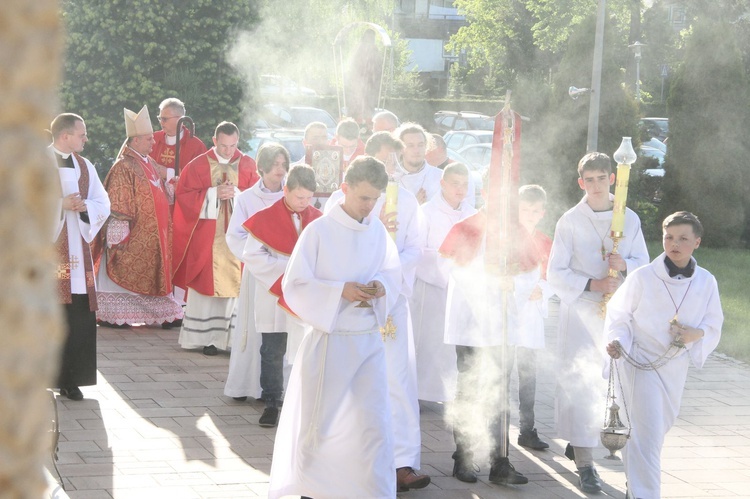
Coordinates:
column 638, row 317
column 436, row 361
column 97, row 207
column 243, row 379
column 531, row 313
column 334, row 436
column 575, row 258
column 427, row 178
column 399, row 351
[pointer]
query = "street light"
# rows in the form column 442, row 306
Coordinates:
column 637, row 48
column 596, row 79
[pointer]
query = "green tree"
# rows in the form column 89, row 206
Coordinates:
column 556, row 136
column 130, row 53
column 707, row 170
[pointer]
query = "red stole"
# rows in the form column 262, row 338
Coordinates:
column 274, row 227
column 63, row 251
column 463, row 241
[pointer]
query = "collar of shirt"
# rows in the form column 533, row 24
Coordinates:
column 61, row 154
column 221, row 159
column 265, row 189
column 675, row 271
column 171, row 140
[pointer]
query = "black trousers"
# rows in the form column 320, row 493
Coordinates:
column 78, row 365
column 272, row 352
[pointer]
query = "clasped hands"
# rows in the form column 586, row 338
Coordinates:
column 353, row 292
column 73, row 202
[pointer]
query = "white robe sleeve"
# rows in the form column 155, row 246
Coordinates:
column 567, row 283
column 618, row 324
column 97, row 205
column 711, row 326
column 210, row 208
column 265, row 265
column 300, row 284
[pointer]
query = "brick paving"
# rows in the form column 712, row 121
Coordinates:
column 157, row 425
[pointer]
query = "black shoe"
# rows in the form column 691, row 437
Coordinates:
column 463, row 469
column 73, row 393
column 570, row 453
column 589, row 480
column 240, row 399
column 210, row 350
column 173, row 324
column 269, row 418
column 531, row 440
column 503, row 473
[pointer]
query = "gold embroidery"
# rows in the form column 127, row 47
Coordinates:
column 389, row 330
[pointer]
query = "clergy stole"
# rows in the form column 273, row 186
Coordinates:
column 65, row 262
column 227, row 271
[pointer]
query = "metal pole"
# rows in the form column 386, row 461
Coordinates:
column 638, row 78
column 596, row 80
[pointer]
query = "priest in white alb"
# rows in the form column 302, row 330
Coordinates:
column 334, row 438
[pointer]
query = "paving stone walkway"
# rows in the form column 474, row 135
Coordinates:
column 157, row 425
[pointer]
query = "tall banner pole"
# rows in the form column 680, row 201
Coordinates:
column 502, row 216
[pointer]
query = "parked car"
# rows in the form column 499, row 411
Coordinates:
column 457, row 140
column 445, row 121
column 290, row 139
column 478, row 155
column 654, row 127
column 298, row 117
column 274, row 86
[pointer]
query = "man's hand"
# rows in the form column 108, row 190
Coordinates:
column 389, row 219
column 685, row 333
column 613, row 349
column 379, row 285
column 421, row 195
column 608, row 285
column 617, row 262
column 225, row 191
column 73, row 202
column 536, row 294
column 352, row 292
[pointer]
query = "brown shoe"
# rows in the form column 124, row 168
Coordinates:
column 407, row 478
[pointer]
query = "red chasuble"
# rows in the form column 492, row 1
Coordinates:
column 273, row 226
column 137, row 195
column 194, row 237
column 190, row 148
column 464, row 240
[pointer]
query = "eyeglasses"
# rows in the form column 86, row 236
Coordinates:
column 162, row 119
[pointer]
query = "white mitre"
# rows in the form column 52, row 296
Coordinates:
column 138, row 124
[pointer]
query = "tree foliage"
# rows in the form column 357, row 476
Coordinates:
column 130, row 53
column 707, row 169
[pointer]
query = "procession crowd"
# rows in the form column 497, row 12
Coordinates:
column 352, row 284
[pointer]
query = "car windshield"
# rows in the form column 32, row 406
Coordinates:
column 302, row 117
column 481, row 124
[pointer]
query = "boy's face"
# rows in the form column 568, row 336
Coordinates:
column 454, row 188
column 530, row 214
column 298, row 198
column 359, row 199
column 596, row 183
column 679, row 243
column 273, row 178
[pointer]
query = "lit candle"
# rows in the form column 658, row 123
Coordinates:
column 391, row 202
column 624, row 156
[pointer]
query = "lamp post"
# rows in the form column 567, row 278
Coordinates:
column 637, row 48
column 592, row 139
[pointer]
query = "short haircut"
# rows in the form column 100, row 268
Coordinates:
column 378, row 140
column 301, row 176
column 348, row 129
column 532, row 193
column 227, row 128
column 267, row 154
column 407, row 128
column 684, row 218
column 437, row 142
column 313, row 126
column 367, row 169
column 594, row 161
column 456, row 169
column 63, row 123
column 173, row 103
column 387, row 116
